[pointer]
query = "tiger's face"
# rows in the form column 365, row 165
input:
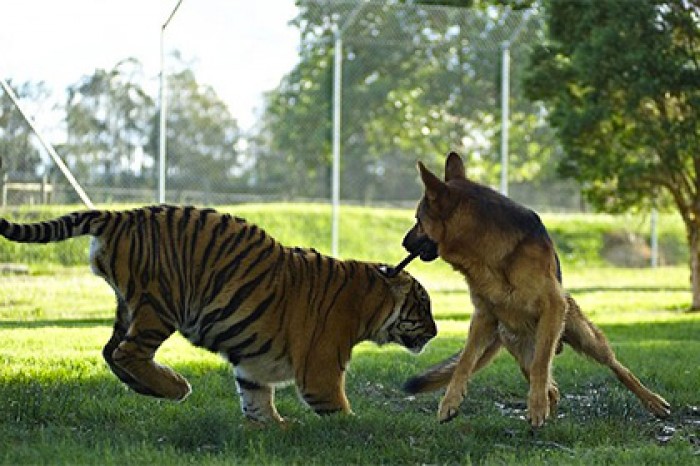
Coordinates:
column 412, row 326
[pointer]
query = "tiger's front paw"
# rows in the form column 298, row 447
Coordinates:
column 449, row 406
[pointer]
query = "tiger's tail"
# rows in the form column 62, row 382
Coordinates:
column 434, row 377
column 58, row 229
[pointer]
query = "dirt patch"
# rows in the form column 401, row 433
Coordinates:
column 626, row 249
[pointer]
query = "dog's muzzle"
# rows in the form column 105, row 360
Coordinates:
column 422, row 246
column 425, row 248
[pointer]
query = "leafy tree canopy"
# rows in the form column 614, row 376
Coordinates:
column 621, row 81
column 418, row 80
column 18, row 157
column 620, row 78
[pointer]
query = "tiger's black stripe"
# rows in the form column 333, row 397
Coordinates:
column 246, row 384
column 240, row 326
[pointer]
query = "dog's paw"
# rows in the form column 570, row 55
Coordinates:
column 447, row 413
column 449, row 407
column 553, row 395
column 537, row 408
column 658, row 406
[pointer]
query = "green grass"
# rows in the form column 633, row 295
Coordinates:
column 59, row 404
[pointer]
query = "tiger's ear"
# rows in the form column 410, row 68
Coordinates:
column 395, row 279
column 434, row 187
column 454, row 167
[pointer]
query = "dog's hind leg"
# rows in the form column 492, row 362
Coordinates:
column 588, row 339
column 482, row 334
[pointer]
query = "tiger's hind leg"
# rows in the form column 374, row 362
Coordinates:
column 121, row 324
column 324, row 391
column 586, row 338
column 134, row 356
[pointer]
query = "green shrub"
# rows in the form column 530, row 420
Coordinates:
column 373, row 233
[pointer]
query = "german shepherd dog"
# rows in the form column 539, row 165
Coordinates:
column 514, row 277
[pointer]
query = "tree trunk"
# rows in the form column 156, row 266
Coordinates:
column 694, row 250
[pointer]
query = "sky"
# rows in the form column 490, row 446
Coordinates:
column 241, row 48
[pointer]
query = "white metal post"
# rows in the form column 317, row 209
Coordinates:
column 335, row 182
column 162, row 139
column 654, row 238
column 505, row 98
column 505, row 113
column 337, row 105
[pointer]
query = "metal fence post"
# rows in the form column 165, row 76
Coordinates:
column 3, row 200
column 335, row 182
column 654, row 238
column 505, row 113
column 162, row 141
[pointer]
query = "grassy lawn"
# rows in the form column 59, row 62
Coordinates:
column 59, row 404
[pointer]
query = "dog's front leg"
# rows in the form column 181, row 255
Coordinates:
column 549, row 329
column 482, row 333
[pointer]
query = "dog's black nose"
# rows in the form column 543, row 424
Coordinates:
column 423, row 246
column 428, row 250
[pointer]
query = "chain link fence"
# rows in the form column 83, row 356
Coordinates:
column 416, row 82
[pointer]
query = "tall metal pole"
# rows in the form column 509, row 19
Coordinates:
column 337, row 104
column 505, row 97
column 654, row 238
column 335, row 182
column 505, row 113
column 162, row 139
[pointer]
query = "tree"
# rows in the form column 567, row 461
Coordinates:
column 107, row 115
column 19, row 157
column 417, row 81
column 201, row 135
column 620, row 79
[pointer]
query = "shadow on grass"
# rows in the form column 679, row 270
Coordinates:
column 631, row 289
column 587, row 289
column 63, row 323
column 687, row 330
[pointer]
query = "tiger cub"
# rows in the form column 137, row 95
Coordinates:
column 277, row 314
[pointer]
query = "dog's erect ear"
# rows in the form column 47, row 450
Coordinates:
column 434, row 187
column 454, row 167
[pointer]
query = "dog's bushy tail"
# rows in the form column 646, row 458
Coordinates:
column 434, row 377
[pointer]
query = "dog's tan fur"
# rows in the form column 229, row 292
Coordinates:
column 512, row 270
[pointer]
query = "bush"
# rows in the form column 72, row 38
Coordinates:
column 375, row 233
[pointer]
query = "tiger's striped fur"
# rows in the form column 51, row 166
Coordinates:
column 277, row 314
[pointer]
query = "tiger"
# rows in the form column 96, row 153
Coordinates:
column 279, row 315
